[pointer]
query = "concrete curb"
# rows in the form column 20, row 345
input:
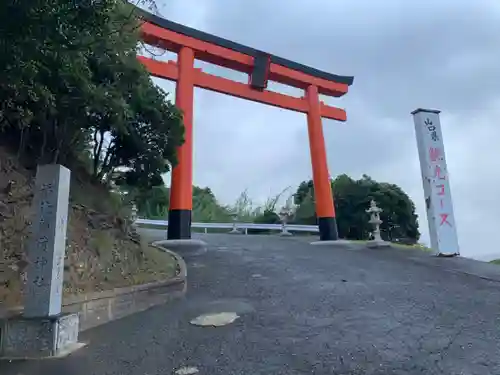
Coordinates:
column 187, row 247
column 98, row 308
column 180, row 260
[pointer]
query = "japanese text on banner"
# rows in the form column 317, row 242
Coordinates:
column 436, row 156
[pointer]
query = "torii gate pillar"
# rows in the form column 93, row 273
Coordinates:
column 261, row 67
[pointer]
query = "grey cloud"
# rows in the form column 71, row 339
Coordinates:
column 412, row 50
column 403, row 54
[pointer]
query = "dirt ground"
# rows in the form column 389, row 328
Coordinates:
column 102, row 249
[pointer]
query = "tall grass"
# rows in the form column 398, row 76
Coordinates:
column 244, row 209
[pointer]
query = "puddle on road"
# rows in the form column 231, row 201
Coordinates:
column 215, row 320
column 187, row 371
column 239, row 306
column 197, row 265
column 236, row 306
column 259, row 276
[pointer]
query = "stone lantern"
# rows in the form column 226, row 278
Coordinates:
column 234, row 230
column 374, row 212
column 285, row 215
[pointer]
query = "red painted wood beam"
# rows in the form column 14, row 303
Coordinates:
column 332, row 113
column 169, row 70
column 301, row 80
column 242, row 90
column 172, row 41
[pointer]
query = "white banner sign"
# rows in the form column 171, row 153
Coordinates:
column 436, row 182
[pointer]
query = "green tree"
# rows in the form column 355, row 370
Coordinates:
column 153, row 203
column 352, row 198
column 303, row 192
column 72, row 89
column 305, row 211
column 206, row 208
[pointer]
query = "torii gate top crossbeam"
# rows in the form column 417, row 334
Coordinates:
column 218, row 41
column 260, row 66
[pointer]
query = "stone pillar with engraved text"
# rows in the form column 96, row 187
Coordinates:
column 43, row 330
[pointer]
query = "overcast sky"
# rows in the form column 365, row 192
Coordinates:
column 404, row 55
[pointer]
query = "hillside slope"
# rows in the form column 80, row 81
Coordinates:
column 102, row 250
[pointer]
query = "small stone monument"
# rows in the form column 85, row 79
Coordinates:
column 234, row 230
column 374, row 212
column 43, row 330
column 285, row 215
column 133, row 212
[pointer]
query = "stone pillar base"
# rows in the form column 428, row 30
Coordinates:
column 35, row 338
column 183, row 247
column 234, row 231
column 286, row 234
column 377, row 243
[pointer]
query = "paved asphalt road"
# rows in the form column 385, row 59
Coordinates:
column 305, row 310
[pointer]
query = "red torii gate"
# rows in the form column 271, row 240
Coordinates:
column 261, row 67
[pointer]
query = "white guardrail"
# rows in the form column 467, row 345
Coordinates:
column 236, row 227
